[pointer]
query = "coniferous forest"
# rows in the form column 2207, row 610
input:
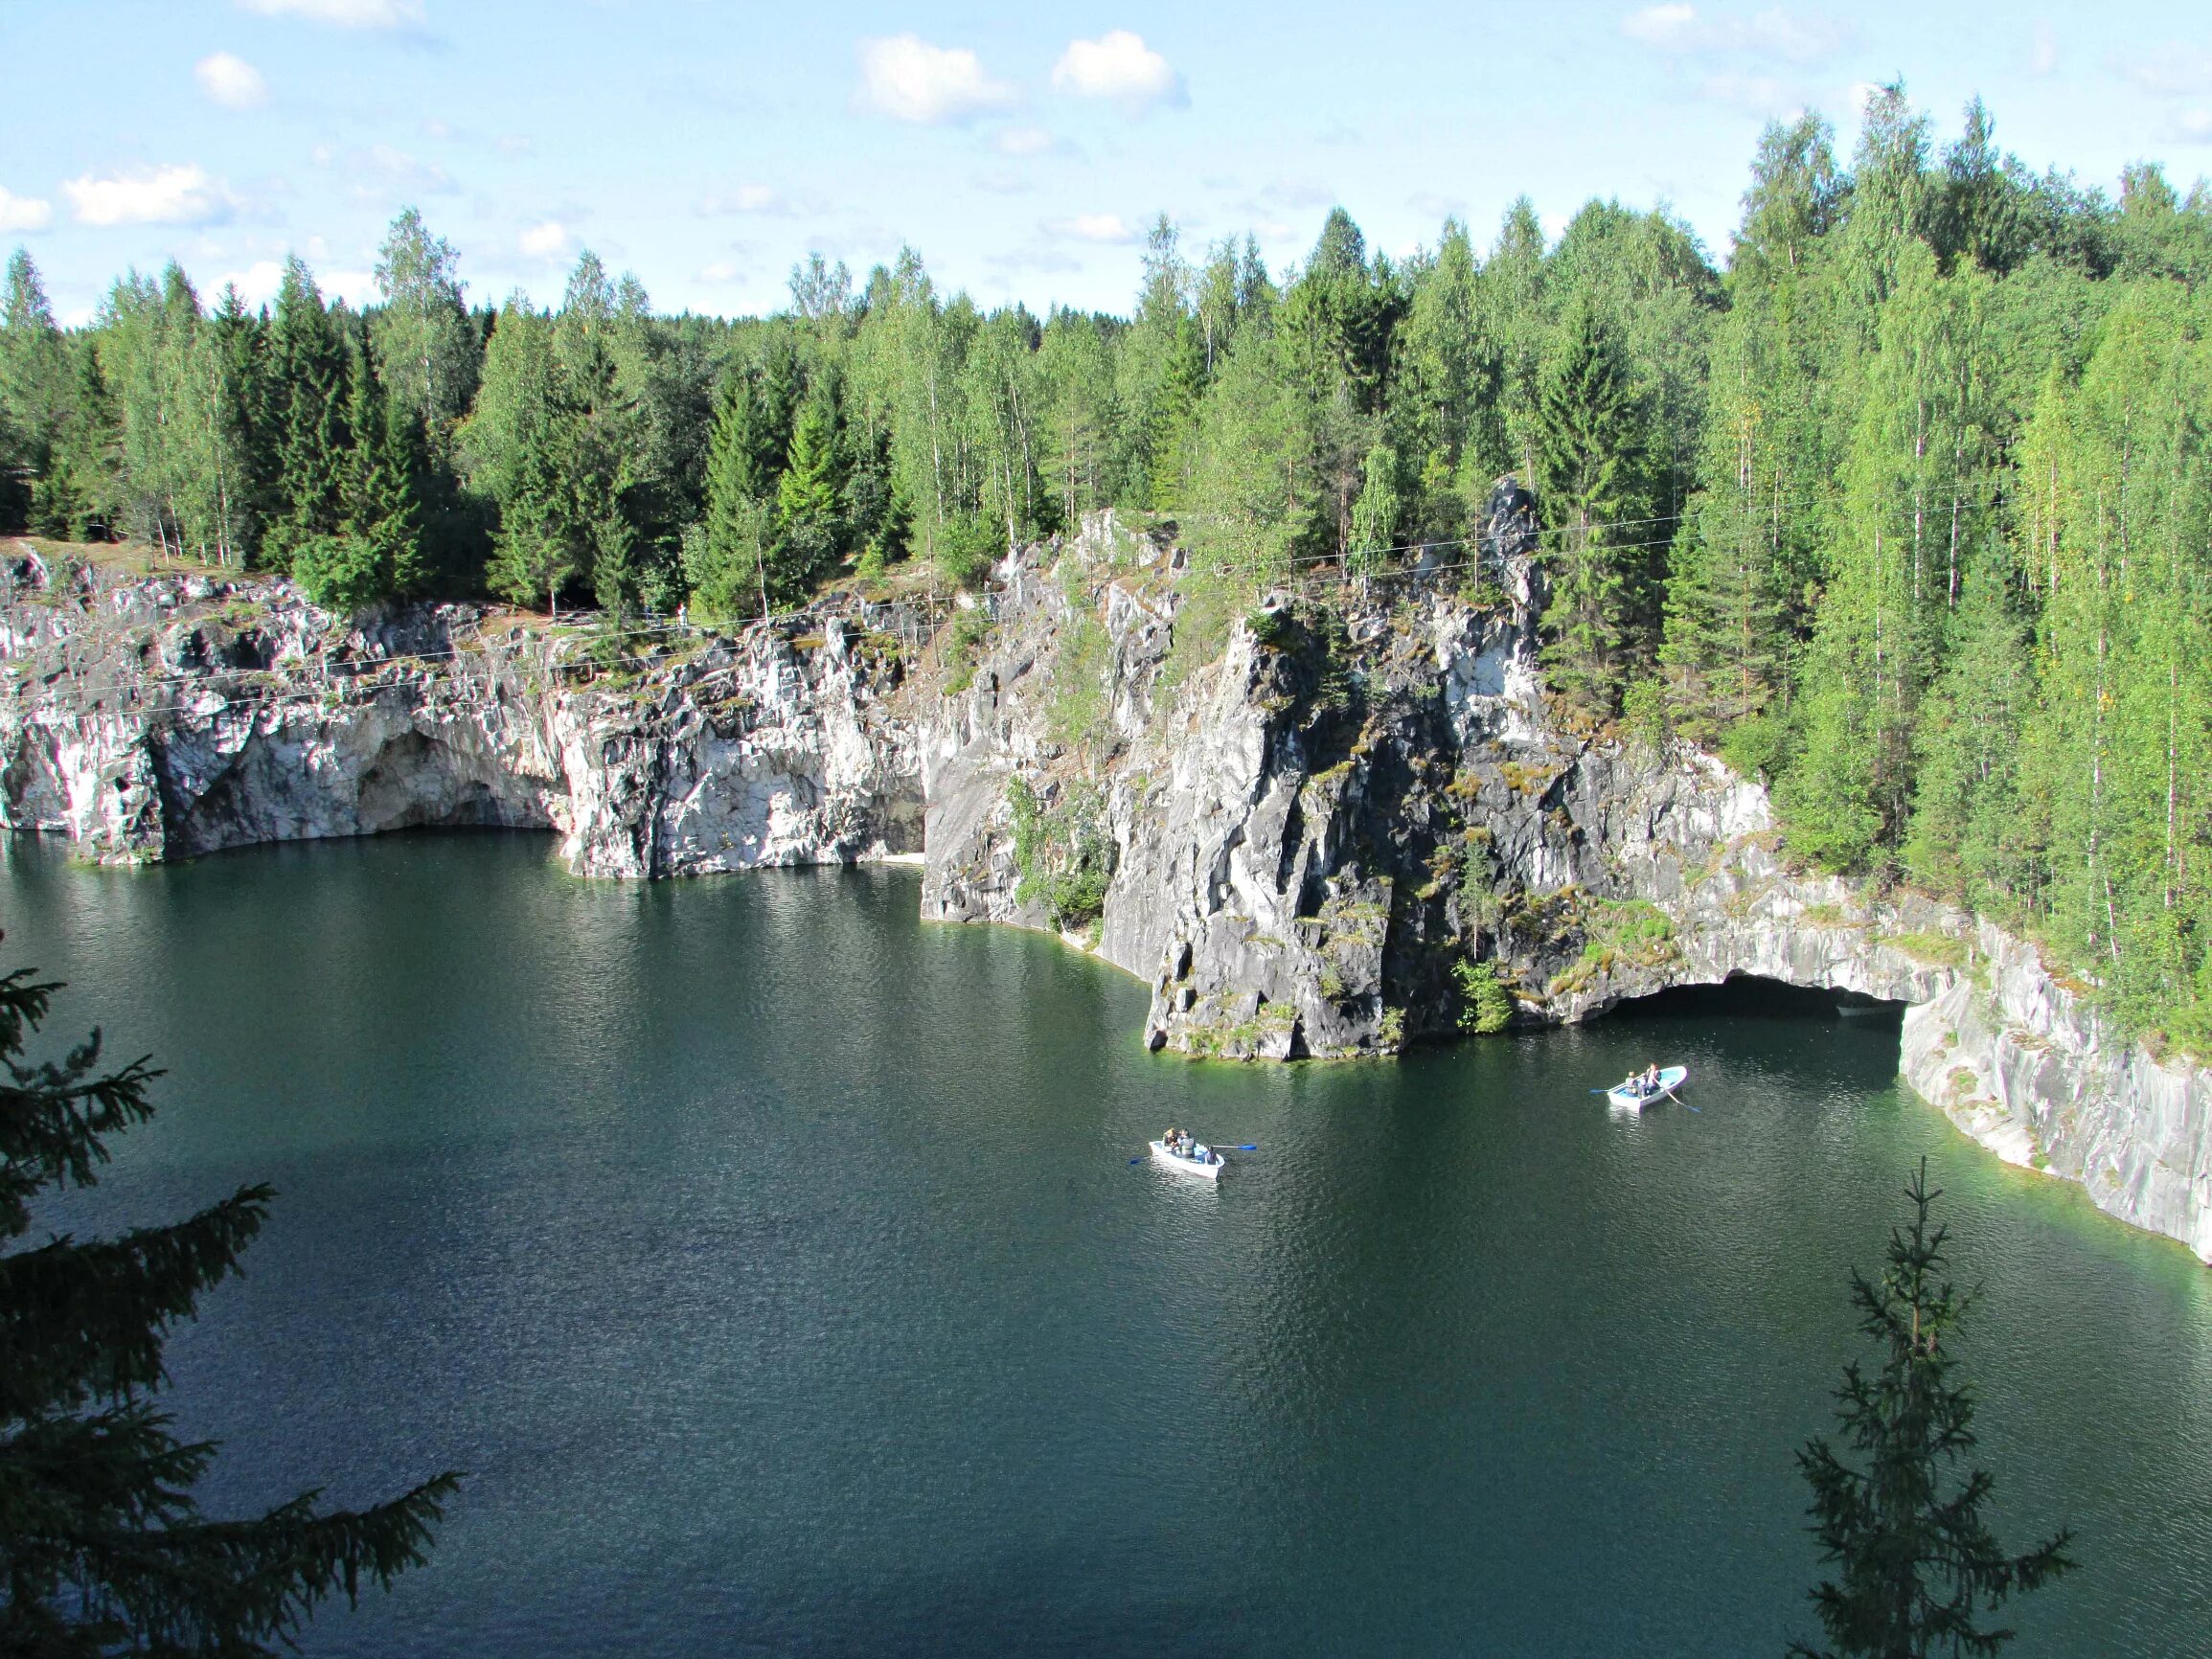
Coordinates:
column 1904, row 506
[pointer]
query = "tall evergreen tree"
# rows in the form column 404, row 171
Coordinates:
column 34, row 387
column 809, row 520
column 308, row 368
column 1596, row 500
column 103, row 1548
column 1917, row 1566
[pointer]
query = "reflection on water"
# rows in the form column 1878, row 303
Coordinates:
column 776, row 1266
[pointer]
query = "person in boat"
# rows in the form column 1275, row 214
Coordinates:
column 1651, row 1076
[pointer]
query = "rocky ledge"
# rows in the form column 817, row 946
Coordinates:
column 1314, row 829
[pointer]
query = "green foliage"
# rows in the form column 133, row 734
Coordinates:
column 1064, row 857
column 1598, row 499
column 965, row 548
column 1076, row 712
column 1916, row 1564
column 1908, row 512
column 1486, row 1005
column 102, row 1540
column 962, row 644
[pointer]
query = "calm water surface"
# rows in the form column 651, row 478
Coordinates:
column 775, row 1266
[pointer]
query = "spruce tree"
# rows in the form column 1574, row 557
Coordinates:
column 1596, row 502
column 33, row 394
column 1917, row 1566
column 810, row 522
column 307, row 372
column 724, row 561
column 376, row 552
column 103, row 1548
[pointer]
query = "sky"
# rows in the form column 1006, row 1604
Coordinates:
column 1024, row 149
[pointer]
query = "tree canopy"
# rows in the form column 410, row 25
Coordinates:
column 1907, row 509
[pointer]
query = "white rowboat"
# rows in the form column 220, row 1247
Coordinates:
column 1635, row 1099
column 1201, row 1160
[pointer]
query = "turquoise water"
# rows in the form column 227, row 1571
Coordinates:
column 775, row 1266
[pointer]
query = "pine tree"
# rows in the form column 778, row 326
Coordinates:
column 1917, row 1565
column 103, row 1545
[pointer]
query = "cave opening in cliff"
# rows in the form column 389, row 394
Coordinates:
column 1748, row 996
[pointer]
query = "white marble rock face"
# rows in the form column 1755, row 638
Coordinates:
column 1282, row 874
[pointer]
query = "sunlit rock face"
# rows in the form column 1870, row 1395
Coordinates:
column 1301, row 819
column 168, row 717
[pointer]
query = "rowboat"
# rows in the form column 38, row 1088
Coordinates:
column 1634, row 1097
column 1201, row 1160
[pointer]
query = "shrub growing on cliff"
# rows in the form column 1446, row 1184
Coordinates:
column 1485, row 1006
column 1065, row 860
column 1916, row 1564
column 102, row 1547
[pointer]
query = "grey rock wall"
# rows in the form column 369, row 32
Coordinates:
column 1303, row 818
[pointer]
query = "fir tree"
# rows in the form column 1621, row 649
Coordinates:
column 308, row 368
column 1917, row 1565
column 376, row 552
column 103, row 1545
column 1596, row 501
column 810, row 522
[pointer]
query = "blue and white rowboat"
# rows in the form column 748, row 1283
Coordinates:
column 1636, row 1096
column 1201, row 1160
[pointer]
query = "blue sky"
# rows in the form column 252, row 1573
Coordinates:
column 1021, row 148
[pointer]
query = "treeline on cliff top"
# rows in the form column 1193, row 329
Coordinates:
column 1909, row 509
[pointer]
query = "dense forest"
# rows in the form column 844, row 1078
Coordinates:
column 1907, row 509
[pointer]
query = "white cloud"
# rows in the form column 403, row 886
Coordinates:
column 2043, row 49
column 909, row 80
column 1676, row 26
column 549, row 240
column 406, row 173
column 161, row 195
column 23, row 212
column 745, row 198
column 1023, row 141
column 1095, row 228
column 1670, row 26
column 723, row 272
column 1118, row 64
column 514, row 144
column 256, row 284
column 231, row 82
column 2189, row 127
column 357, row 288
column 434, row 128
column 2173, row 72
column 345, row 13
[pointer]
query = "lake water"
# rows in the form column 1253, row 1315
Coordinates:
column 775, row 1266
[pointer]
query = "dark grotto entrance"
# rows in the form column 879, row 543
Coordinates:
column 1747, row 996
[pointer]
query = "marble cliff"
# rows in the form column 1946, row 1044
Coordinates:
column 1297, row 822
